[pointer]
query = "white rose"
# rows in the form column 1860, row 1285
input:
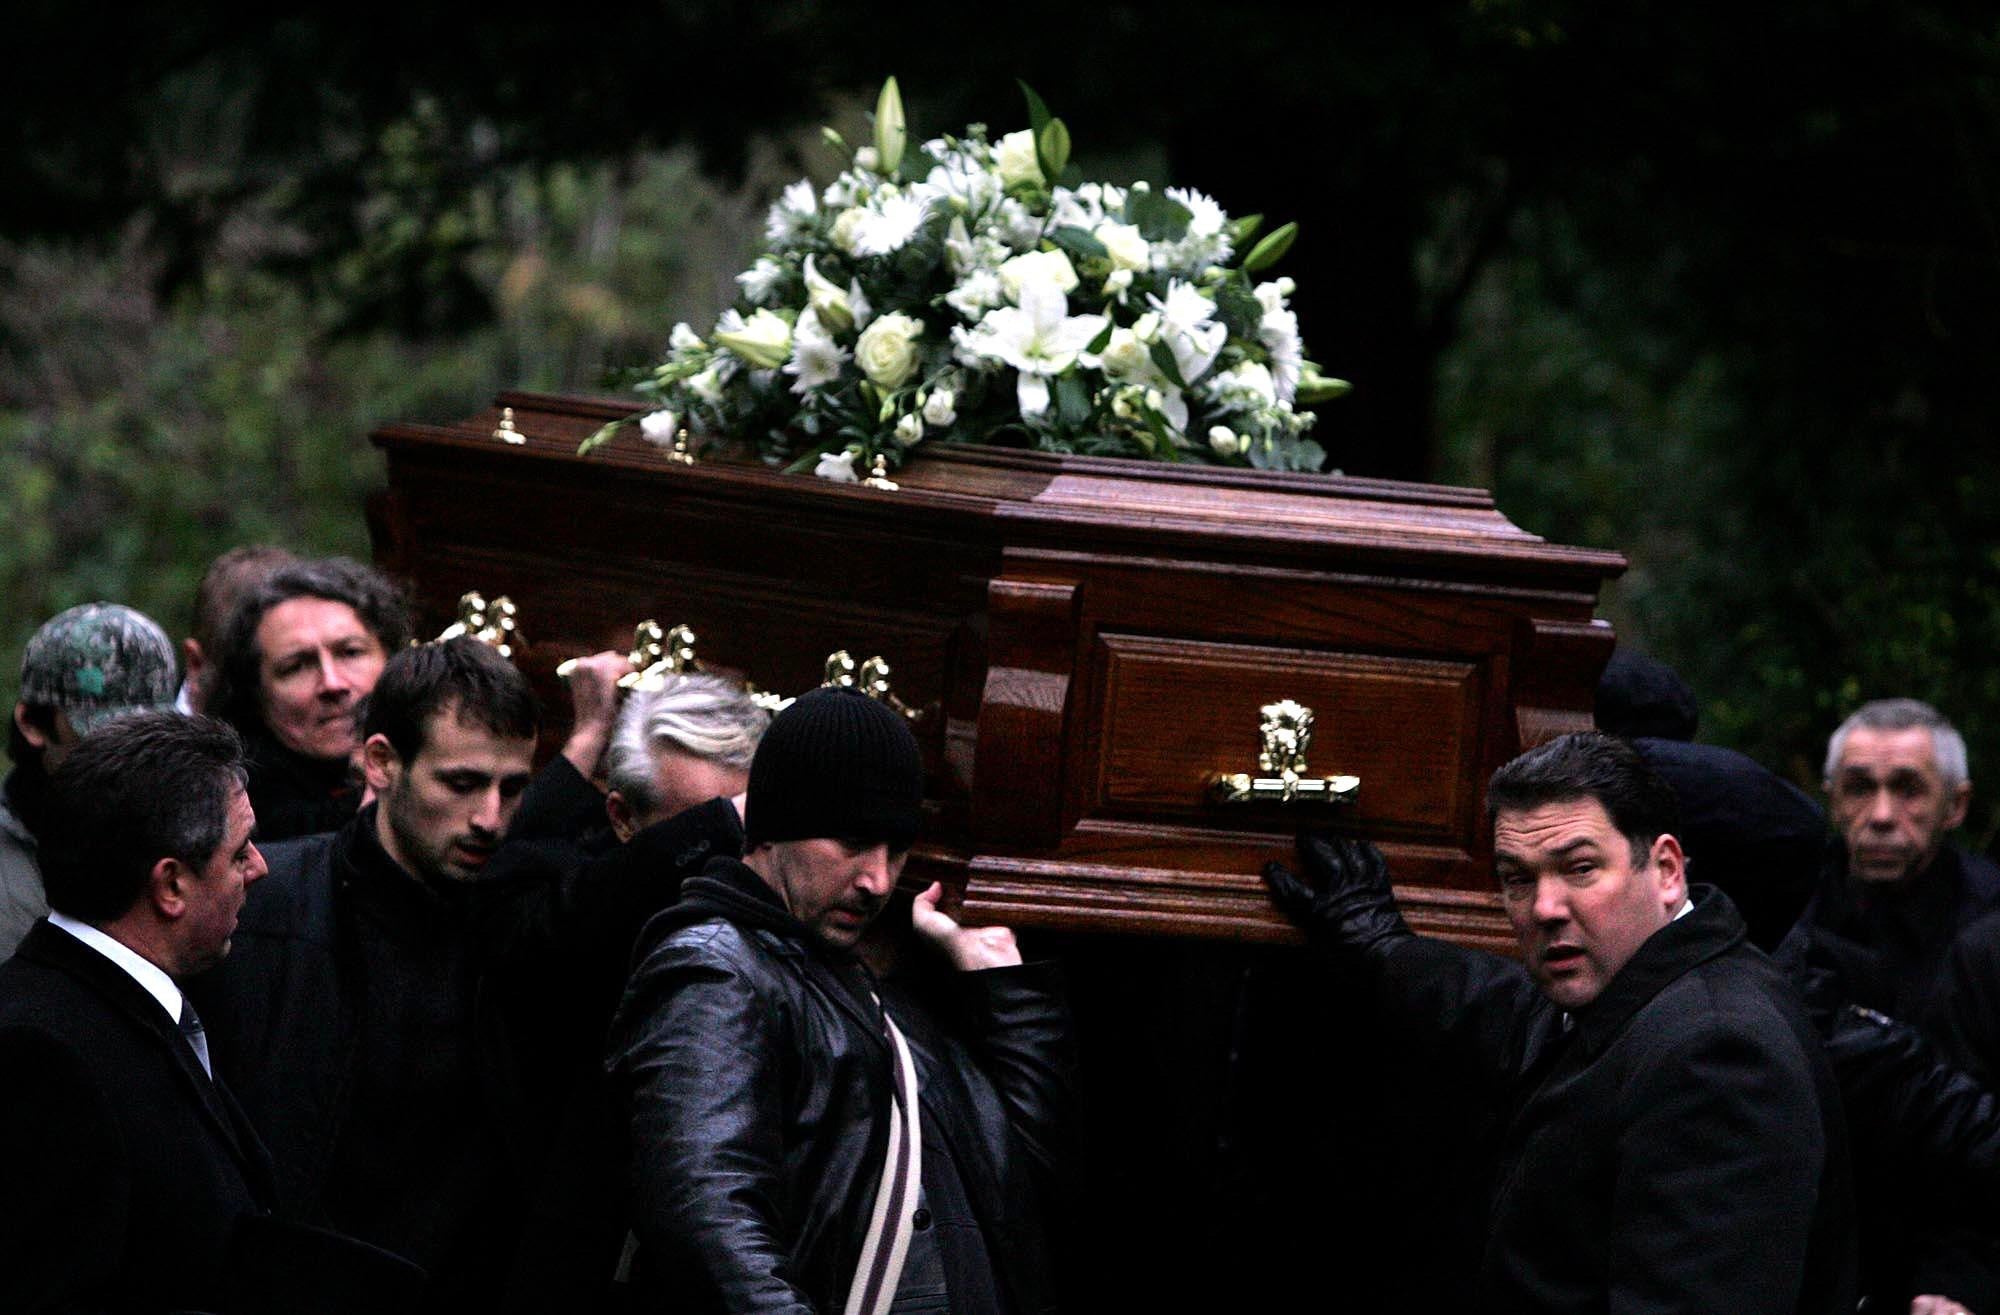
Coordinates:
column 1224, row 440
column 764, row 341
column 887, row 351
column 659, row 427
column 837, row 466
column 867, row 158
column 941, row 408
column 1046, row 267
column 683, row 339
column 1016, row 159
column 846, row 230
column 1128, row 250
column 910, row 429
column 1117, row 283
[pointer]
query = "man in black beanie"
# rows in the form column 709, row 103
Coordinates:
column 770, row 1079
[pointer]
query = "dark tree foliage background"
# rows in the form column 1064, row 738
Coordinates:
column 1714, row 285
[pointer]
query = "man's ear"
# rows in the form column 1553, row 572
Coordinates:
column 1961, row 800
column 30, row 732
column 624, row 819
column 167, row 887
column 380, row 763
column 1671, row 864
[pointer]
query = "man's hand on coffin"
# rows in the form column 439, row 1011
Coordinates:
column 968, row 948
column 1341, row 893
column 593, row 698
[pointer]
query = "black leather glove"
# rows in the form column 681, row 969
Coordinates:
column 1344, row 897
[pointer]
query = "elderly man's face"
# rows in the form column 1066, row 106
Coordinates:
column 1891, row 804
column 1578, row 903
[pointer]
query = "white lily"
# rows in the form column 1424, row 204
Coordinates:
column 1039, row 338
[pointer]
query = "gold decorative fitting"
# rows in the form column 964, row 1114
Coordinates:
column 1286, row 735
column 490, row 623
column 878, row 476
column 681, row 454
column 659, row 656
column 506, row 433
column 871, row 677
column 656, row 654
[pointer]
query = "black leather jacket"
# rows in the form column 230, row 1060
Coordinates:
column 754, row 1068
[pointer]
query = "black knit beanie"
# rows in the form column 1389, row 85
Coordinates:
column 836, row 765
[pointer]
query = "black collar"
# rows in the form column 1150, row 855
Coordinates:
column 1713, row 927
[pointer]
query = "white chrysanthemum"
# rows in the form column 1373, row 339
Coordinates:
column 761, row 279
column 888, row 224
column 792, row 215
column 1206, row 217
column 816, row 358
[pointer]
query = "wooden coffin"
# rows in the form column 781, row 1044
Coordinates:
column 1087, row 642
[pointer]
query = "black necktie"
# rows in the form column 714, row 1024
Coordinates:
column 194, row 1034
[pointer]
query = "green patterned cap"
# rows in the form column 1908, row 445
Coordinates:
column 99, row 661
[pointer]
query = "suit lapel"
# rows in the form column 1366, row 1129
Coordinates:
column 64, row 953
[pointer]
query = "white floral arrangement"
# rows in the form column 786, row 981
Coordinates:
column 960, row 291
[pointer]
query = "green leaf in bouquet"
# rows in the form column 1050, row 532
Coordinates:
column 1038, row 113
column 1158, row 216
column 1272, row 249
column 1163, row 356
column 1078, row 244
column 1052, row 149
column 1103, row 338
column 600, row 438
column 1072, row 401
column 1238, row 307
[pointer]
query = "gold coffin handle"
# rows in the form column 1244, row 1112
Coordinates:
column 491, row 623
column 1285, row 734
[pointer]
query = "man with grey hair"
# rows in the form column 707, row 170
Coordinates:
column 680, row 745
column 1892, row 898
column 1896, row 783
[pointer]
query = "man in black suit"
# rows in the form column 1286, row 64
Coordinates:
column 127, row 1166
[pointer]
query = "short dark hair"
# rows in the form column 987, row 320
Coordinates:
column 463, row 675
column 374, row 598
column 1589, row 765
column 149, row 786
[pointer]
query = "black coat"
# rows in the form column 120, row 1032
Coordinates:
column 126, row 1169
column 756, row 1072
column 341, row 959
column 1679, row 1147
